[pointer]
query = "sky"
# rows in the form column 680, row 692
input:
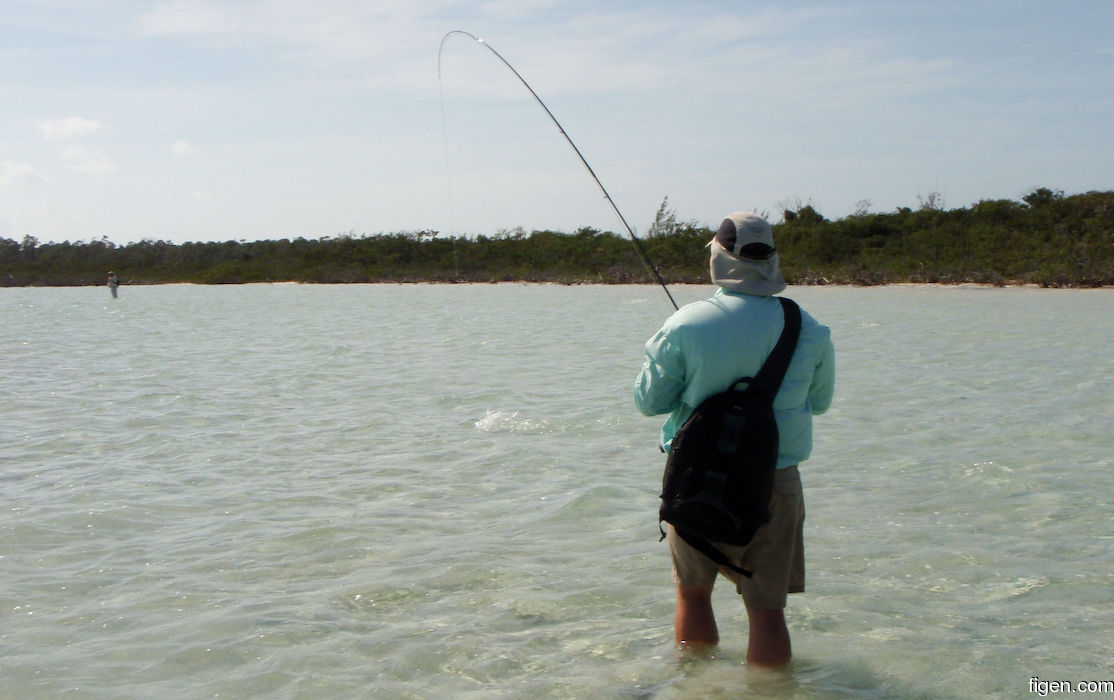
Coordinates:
column 214, row 120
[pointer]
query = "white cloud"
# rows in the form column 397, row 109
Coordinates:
column 185, row 17
column 67, row 127
column 14, row 173
column 182, row 148
column 369, row 42
column 88, row 161
column 203, row 196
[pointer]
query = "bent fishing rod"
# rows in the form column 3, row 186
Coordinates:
column 634, row 239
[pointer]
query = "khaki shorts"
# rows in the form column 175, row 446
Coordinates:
column 776, row 555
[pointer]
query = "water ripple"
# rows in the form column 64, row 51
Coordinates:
column 302, row 491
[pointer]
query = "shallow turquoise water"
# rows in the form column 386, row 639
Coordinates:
column 428, row 491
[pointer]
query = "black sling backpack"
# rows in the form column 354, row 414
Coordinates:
column 719, row 475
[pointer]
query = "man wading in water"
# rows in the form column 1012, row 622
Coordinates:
column 702, row 350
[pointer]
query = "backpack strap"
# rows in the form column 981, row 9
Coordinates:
column 707, row 549
column 768, row 379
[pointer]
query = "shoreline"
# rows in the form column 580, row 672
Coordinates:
column 926, row 285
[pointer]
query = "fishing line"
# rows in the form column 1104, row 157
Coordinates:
column 634, row 239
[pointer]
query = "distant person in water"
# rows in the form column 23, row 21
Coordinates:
column 113, row 283
column 702, row 350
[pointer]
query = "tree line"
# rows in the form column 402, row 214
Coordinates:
column 1046, row 238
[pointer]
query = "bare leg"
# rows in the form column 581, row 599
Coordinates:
column 769, row 638
column 695, row 624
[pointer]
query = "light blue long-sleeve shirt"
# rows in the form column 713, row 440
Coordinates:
column 707, row 345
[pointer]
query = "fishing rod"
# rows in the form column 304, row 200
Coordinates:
column 634, row 239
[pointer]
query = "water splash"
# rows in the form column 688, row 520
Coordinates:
column 509, row 422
